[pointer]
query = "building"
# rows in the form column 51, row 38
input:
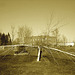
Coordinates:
column 38, row 40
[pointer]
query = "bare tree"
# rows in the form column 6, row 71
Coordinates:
column 12, row 32
column 27, row 34
column 56, row 34
column 64, row 39
column 21, row 34
column 24, row 33
column 52, row 29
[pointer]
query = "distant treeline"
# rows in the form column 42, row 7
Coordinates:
column 5, row 39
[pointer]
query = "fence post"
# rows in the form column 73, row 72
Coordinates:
column 39, row 53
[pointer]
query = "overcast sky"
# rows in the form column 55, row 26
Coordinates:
column 36, row 14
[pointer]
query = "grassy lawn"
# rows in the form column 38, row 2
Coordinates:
column 27, row 65
column 51, row 64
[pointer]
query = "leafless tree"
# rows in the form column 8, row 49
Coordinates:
column 57, row 35
column 24, row 33
column 64, row 39
column 12, row 32
column 52, row 29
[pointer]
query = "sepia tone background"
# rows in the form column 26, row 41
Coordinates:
column 51, row 51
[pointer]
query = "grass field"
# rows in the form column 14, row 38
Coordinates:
column 50, row 64
column 27, row 65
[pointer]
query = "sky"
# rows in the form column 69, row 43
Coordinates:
column 36, row 14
